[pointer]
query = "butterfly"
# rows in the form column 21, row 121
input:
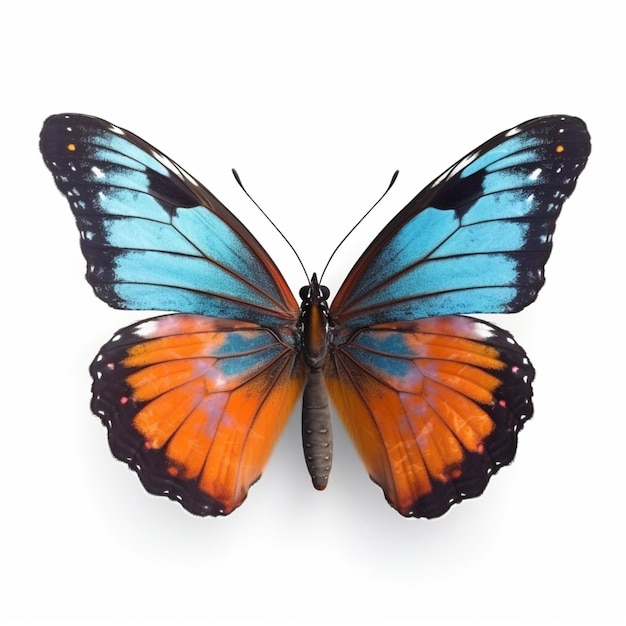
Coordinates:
column 433, row 400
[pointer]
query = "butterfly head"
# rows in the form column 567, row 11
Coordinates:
column 314, row 293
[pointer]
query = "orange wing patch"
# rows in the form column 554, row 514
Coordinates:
column 433, row 406
column 196, row 404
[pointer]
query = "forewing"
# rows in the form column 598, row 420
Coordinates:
column 153, row 237
column 195, row 404
column 476, row 239
column 433, row 406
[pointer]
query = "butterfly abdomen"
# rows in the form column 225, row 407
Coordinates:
column 317, row 436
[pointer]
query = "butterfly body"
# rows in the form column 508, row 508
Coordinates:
column 194, row 401
column 316, row 424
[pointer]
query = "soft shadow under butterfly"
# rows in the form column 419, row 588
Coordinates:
column 433, row 400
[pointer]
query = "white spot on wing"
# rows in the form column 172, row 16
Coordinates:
column 482, row 331
column 513, row 131
column 146, row 329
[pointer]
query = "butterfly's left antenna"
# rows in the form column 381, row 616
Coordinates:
column 267, row 217
column 393, row 180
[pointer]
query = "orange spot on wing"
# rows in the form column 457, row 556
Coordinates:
column 154, row 380
column 164, row 414
column 246, row 437
column 452, row 348
column 465, row 420
column 468, row 380
column 187, row 345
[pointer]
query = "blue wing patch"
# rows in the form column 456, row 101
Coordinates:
column 153, row 237
column 475, row 240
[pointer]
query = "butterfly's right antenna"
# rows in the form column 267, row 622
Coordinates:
column 267, row 217
column 393, row 180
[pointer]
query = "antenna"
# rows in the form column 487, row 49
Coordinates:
column 267, row 217
column 393, row 180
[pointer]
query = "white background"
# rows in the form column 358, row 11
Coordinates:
column 316, row 105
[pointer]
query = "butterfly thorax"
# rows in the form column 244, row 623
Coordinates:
column 314, row 323
column 316, row 427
